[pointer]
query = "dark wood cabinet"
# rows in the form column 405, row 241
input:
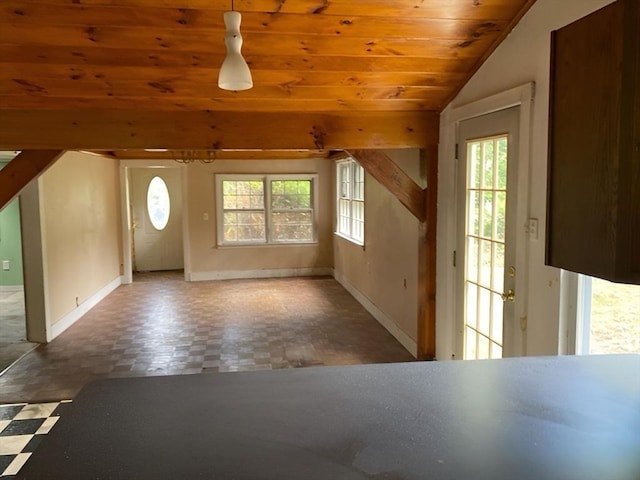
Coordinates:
column 593, row 205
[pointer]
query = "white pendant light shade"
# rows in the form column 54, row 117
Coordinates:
column 234, row 72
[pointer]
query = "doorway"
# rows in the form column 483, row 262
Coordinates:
column 156, row 219
column 13, row 322
column 486, row 241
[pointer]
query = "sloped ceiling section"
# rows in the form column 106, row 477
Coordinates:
column 328, row 74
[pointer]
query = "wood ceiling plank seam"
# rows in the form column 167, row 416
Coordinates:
column 206, row 59
column 17, row 13
column 19, row 102
column 168, row 88
column 255, row 44
column 447, row 9
column 192, row 76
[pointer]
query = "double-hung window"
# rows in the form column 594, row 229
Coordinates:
column 266, row 209
column 350, row 201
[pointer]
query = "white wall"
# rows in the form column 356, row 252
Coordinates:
column 71, row 228
column 523, row 57
column 209, row 262
column 383, row 275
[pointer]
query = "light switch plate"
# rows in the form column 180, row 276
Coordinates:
column 6, row 265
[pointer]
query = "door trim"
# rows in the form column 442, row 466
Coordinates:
column 522, row 96
column 125, row 197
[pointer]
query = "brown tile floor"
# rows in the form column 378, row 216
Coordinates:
column 161, row 325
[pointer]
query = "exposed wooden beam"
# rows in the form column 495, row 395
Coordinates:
column 387, row 173
column 25, row 167
column 122, row 129
column 427, row 255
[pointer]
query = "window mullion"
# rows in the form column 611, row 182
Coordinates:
column 352, row 194
column 266, row 188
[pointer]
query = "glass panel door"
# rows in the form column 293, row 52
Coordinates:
column 486, row 201
column 487, row 220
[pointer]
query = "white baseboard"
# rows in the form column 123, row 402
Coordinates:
column 405, row 340
column 11, row 288
column 266, row 273
column 74, row 315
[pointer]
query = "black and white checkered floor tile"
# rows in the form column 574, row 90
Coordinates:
column 22, row 427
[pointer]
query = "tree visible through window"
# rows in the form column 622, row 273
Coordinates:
column 244, row 215
column 610, row 317
column 265, row 209
column 291, row 212
column 350, row 201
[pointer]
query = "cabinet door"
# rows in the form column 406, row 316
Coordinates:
column 592, row 227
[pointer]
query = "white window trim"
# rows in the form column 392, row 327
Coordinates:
column 352, row 166
column 583, row 325
column 446, row 301
column 266, row 179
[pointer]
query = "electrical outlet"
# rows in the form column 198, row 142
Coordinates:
column 6, row 264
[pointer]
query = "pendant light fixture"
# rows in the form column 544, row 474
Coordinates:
column 234, row 72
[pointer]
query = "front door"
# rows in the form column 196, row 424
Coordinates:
column 156, row 207
column 486, row 273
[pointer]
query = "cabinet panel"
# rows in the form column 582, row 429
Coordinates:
column 593, row 209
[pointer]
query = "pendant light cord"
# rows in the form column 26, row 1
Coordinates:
column 232, row 6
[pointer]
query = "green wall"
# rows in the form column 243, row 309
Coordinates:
column 10, row 242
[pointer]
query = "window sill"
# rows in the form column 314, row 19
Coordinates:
column 349, row 239
column 263, row 245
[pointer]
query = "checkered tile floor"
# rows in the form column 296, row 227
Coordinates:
column 162, row 325
column 22, row 427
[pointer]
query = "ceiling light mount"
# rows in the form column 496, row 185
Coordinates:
column 190, row 156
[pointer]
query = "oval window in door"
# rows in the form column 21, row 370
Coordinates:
column 158, row 203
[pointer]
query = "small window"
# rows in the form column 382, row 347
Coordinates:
column 158, row 203
column 350, row 201
column 244, row 214
column 265, row 209
column 608, row 317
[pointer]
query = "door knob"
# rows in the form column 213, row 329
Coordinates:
column 510, row 295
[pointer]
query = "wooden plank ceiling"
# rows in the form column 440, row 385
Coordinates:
column 134, row 74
